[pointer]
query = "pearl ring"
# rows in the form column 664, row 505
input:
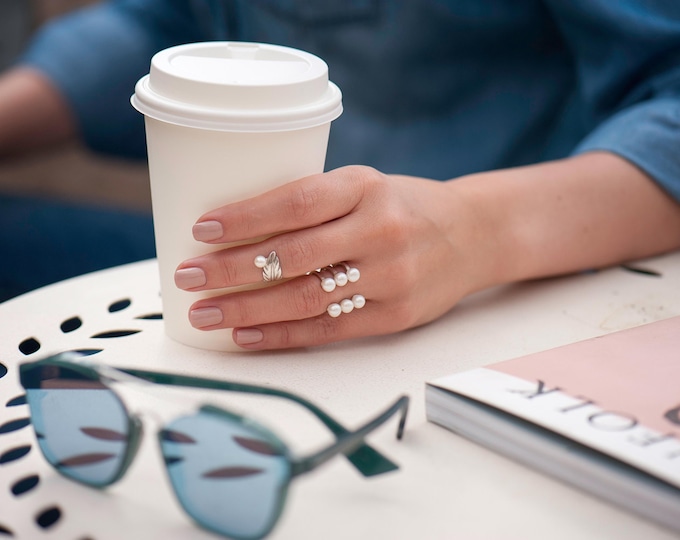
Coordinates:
column 339, row 278
column 271, row 266
column 346, row 306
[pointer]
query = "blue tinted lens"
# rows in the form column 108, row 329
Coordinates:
column 81, row 426
column 231, row 478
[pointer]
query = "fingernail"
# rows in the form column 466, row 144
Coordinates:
column 202, row 317
column 190, row 278
column 247, row 336
column 205, row 231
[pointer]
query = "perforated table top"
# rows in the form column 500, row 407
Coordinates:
column 446, row 485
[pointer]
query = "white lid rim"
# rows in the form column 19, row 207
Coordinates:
column 244, row 124
column 314, row 114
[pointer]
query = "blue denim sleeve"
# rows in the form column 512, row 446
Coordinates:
column 628, row 61
column 96, row 55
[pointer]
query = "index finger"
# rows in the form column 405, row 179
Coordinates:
column 299, row 204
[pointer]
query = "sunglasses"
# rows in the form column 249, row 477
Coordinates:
column 229, row 473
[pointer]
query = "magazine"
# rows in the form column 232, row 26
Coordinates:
column 602, row 414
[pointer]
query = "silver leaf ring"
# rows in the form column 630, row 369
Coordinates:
column 271, row 266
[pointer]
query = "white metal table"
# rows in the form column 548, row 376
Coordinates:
column 447, row 487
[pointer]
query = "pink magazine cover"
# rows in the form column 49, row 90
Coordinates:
column 635, row 372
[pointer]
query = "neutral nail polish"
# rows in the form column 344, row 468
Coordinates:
column 248, row 336
column 203, row 317
column 206, row 231
column 190, row 278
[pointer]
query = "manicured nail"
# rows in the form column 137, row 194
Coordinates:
column 206, row 231
column 202, row 317
column 247, row 336
column 190, row 278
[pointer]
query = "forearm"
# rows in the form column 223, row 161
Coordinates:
column 584, row 212
column 33, row 113
column 94, row 56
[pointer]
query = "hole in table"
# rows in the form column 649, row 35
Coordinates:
column 48, row 517
column 14, row 425
column 69, row 325
column 640, row 270
column 119, row 305
column 29, row 346
column 151, row 317
column 15, row 402
column 114, row 334
column 14, row 453
column 86, row 352
column 25, row 484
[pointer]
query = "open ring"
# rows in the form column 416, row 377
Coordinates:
column 346, row 306
column 338, row 277
column 271, row 266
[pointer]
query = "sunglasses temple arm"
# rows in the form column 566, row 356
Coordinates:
column 352, row 439
column 366, row 459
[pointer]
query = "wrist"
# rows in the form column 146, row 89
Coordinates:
column 484, row 232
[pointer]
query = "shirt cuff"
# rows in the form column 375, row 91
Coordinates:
column 646, row 134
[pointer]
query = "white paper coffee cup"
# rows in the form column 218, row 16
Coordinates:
column 225, row 121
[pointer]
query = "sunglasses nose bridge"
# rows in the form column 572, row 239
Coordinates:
column 154, row 404
column 150, row 417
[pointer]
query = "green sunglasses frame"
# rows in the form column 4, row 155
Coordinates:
column 368, row 461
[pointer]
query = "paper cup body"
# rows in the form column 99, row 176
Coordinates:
column 216, row 138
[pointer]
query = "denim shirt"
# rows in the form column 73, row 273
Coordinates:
column 434, row 88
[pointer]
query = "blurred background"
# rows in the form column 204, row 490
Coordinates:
column 70, row 172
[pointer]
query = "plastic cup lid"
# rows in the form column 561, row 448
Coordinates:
column 237, row 86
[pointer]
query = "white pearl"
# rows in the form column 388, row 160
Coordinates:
column 353, row 275
column 358, row 301
column 334, row 310
column 341, row 279
column 328, row 284
column 260, row 261
column 346, row 305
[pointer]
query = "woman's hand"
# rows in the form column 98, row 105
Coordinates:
column 397, row 231
column 420, row 245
